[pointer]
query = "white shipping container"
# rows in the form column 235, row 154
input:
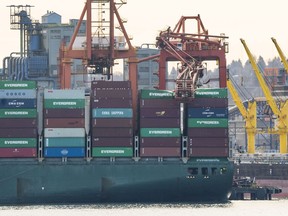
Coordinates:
column 64, row 132
column 64, row 94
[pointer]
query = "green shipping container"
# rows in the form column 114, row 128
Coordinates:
column 112, row 113
column 18, row 142
column 64, row 103
column 18, row 113
column 64, row 142
column 208, row 123
column 112, row 152
column 211, row 93
column 8, row 84
column 156, row 94
column 160, row 132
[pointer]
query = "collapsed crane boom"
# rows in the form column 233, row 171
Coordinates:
column 190, row 69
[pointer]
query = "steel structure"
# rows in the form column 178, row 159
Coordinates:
column 99, row 55
column 281, row 112
column 191, row 49
column 249, row 114
column 281, row 54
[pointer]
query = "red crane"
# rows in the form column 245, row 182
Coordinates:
column 190, row 49
column 99, row 55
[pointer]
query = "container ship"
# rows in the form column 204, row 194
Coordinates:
column 86, row 149
column 113, row 142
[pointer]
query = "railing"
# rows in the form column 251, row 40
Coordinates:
column 261, row 158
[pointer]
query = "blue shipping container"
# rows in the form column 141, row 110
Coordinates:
column 18, row 103
column 64, row 152
column 112, row 113
column 208, row 112
column 18, row 93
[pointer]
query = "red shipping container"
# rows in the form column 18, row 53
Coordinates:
column 64, row 123
column 119, row 93
column 111, row 103
column 161, row 112
column 208, row 152
column 18, row 152
column 102, row 84
column 112, row 122
column 160, row 152
column 18, row 122
column 160, row 142
column 208, row 102
column 112, row 132
column 208, row 132
column 64, row 113
column 112, row 142
column 159, row 103
column 208, row 142
column 18, row 132
column 159, row 123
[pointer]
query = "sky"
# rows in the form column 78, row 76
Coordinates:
column 255, row 21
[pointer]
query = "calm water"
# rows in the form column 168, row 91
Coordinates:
column 234, row 208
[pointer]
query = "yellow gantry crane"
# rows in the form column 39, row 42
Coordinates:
column 281, row 112
column 248, row 114
column 281, row 54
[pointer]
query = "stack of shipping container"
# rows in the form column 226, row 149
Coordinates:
column 111, row 119
column 160, row 134
column 18, row 119
column 207, row 123
column 64, row 123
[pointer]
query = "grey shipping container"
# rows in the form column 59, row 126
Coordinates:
column 112, row 132
column 109, row 142
column 160, row 152
column 159, row 123
column 208, row 142
column 111, row 102
column 64, row 132
column 160, row 142
column 112, row 122
column 161, row 112
column 208, row 132
column 17, row 94
column 18, row 132
column 64, row 94
column 63, row 113
column 18, row 123
column 64, row 122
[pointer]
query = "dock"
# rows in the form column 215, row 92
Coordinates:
column 245, row 188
